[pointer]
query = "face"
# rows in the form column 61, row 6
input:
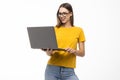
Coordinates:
column 64, row 15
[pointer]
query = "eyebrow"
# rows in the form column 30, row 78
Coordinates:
column 63, row 12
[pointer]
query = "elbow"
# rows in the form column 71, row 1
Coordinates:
column 82, row 54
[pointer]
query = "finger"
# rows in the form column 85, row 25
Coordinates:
column 50, row 49
column 68, row 49
column 72, row 51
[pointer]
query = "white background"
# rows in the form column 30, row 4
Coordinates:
column 98, row 18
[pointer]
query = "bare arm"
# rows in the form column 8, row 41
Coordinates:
column 80, row 52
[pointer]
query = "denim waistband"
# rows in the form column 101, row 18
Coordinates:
column 59, row 72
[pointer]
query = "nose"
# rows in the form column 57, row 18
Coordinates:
column 61, row 15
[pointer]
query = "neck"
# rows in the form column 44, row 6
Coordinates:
column 67, row 25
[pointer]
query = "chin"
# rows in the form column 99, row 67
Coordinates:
column 63, row 22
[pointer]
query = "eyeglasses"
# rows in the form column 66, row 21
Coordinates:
column 63, row 14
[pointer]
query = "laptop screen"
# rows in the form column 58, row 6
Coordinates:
column 42, row 37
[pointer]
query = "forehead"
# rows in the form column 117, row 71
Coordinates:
column 62, row 9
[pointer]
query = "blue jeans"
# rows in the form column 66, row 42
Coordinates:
column 59, row 73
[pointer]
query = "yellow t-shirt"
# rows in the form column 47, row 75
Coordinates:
column 67, row 37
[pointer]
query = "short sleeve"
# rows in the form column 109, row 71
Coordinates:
column 81, row 35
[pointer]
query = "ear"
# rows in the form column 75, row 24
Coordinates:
column 71, row 13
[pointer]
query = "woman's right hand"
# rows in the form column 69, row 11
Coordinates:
column 48, row 51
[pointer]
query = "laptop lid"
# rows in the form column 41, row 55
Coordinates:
column 42, row 37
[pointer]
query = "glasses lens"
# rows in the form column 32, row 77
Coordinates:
column 62, row 14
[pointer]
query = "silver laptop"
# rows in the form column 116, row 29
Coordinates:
column 42, row 38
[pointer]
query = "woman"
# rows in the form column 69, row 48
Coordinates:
column 62, row 63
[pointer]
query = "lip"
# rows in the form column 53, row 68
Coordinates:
column 62, row 19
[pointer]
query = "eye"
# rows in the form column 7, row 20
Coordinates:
column 63, row 13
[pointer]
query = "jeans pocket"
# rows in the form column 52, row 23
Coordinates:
column 68, row 72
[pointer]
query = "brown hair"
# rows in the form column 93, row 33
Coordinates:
column 69, row 8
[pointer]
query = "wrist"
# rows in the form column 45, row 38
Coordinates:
column 76, row 52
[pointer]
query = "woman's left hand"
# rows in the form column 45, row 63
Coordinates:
column 80, row 52
column 70, row 50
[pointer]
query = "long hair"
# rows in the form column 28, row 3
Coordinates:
column 69, row 8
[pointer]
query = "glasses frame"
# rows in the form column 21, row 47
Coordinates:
column 63, row 14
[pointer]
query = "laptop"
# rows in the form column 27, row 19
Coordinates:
column 43, row 38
